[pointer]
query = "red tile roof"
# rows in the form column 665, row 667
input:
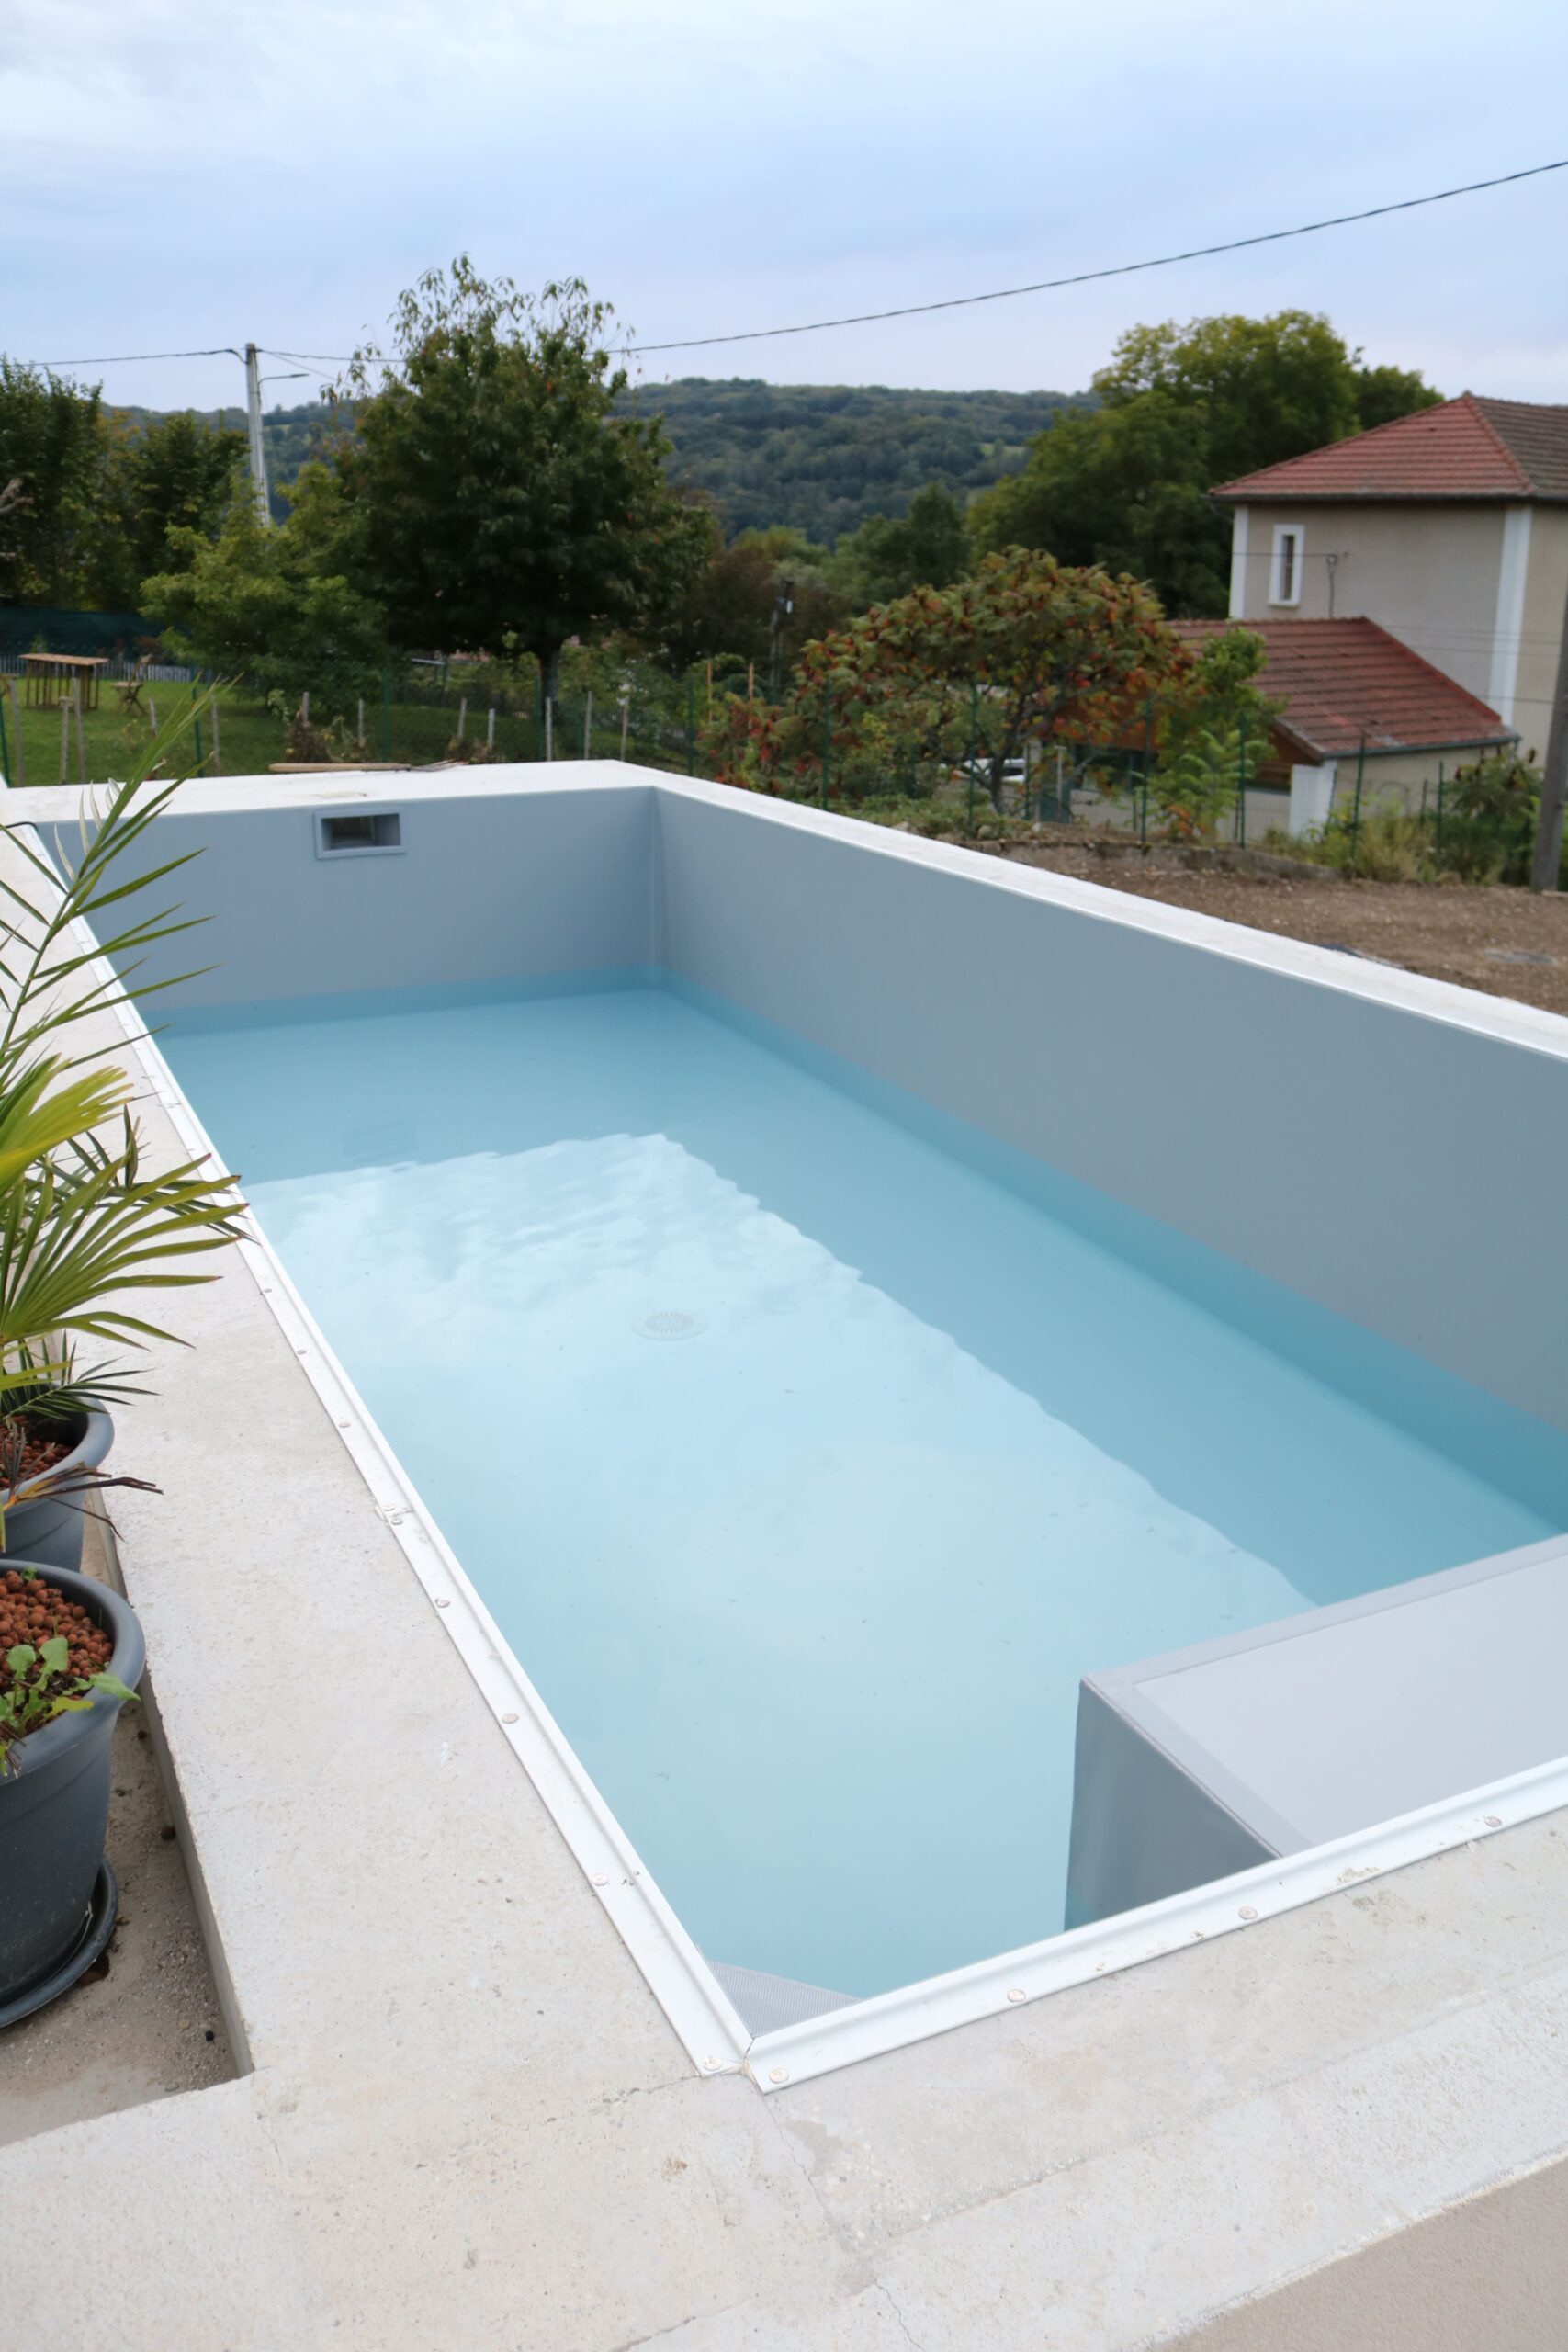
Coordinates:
column 1465, row 448
column 1342, row 680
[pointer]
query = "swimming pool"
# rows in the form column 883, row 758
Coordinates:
column 807, row 1449
column 803, row 1298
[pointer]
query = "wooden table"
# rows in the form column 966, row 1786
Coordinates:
column 46, row 677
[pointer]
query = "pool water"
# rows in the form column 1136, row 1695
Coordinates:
column 807, row 1448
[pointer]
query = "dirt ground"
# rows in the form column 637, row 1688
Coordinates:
column 1507, row 941
column 145, row 2022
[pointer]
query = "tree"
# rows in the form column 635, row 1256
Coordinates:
column 1384, row 393
column 927, row 548
column 1213, row 736
column 53, row 445
column 730, row 606
column 497, row 500
column 1028, row 652
column 279, row 603
column 1184, row 409
column 166, row 473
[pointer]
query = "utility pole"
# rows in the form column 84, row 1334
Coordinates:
column 1547, row 862
column 253, row 430
column 783, row 605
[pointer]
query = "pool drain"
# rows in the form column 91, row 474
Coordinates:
column 669, row 1323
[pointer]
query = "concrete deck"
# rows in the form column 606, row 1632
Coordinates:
column 463, row 2123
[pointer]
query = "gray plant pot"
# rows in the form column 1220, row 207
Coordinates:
column 55, row 1802
column 48, row 1530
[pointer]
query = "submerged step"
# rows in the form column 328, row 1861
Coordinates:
column 1210, row 1760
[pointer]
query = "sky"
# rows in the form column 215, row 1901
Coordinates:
column 276, row 170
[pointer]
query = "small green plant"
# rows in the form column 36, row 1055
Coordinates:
column 83, row 1224
column 38, row 1685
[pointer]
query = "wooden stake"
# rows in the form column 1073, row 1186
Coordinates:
column 17, row 731
column 462, row 718
column 217, row 759
column 751, row 679
column 710, row 694
column 81, row 737
column 626, row 721
column 490, row 730
column 588, row 726
column 152, row 713
column 65, row 738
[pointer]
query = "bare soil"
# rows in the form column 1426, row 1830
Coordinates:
column 1506, row 941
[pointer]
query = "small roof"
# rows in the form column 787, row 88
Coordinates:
column 1342, row 681
column 1467, row 448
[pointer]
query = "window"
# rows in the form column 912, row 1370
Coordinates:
column 1286, row 587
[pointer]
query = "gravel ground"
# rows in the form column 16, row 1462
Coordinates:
column 144, row 2023
column 1507, row 941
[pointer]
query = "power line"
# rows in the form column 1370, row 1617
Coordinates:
column 123, row 358
column 1087, row 277
column 916, row 309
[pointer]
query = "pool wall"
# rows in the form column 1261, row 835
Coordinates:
column 1388, row 1148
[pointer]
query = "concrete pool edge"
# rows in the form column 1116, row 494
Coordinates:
column 691, row 1998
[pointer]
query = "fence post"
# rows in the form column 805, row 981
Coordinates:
column 827, row 737
column 217, row 747
column 626, row 722
column 588, row 725
column 196, row 725
column 549, row 714
column 5, row 750
column 1356, row 810
column 1241, row 785
column 974, row 745
column 1440, row 827
column 21, row 774
column 691, row 722
column 386, row 714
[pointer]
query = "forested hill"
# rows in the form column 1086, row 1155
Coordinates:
column 823, row 457
column 819, row 457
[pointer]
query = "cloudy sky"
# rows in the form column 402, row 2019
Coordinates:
column 174, row 176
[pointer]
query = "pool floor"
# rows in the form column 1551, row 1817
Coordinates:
column 805, row 1465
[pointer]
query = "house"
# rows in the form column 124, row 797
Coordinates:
column 1357, row 706
column 1448, row 529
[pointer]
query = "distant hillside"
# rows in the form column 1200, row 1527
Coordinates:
column 819, row 457
column 823, row 457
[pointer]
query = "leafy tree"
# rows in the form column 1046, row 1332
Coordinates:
column 730, row 606
column 1214, row 735
column 1184, row 409
column 52, row 445
column 172, row 472
column 1384, row 393
column 497, row 498
column 927, row 548
column 279, row 604
column 1028, row 652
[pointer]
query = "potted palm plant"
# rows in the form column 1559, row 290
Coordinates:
column 84, row 1225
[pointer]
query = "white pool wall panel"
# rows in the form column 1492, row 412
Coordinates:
column 484, row 887
column 1402, row 1170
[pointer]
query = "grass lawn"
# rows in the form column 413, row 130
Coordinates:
column 250, row 737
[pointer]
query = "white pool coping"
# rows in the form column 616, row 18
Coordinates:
column 1002, row 1995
